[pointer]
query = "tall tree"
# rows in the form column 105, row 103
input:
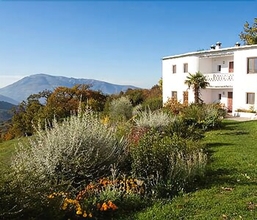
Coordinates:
column 197, row 82
column 249, row 35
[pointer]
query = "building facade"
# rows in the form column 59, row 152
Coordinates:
column 231, row 72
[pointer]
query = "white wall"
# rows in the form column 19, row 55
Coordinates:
column 243, row 82
column 210, row 65
column 175, row 81
column 212, row 95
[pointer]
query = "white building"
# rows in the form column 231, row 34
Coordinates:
column 231, row 72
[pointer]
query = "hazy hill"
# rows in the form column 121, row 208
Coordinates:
column 23, row 88
column 8, row 99
column 5, row 113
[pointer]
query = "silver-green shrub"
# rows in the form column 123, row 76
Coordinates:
column 73, row 152
column 148, row 118
column 121, row 109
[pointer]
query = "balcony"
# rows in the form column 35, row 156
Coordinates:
column 220, row 80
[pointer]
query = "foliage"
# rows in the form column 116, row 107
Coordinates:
column 174, row 106
column 167, row 163
column 66, row 156
column 148, row 118
column 103, row 199
column 197, row 81
column 250, row 110
column 153, row 103
column 204, row 116
column 81, row 148
column 121, row 109
column 249, row 34
column 47, row 105
column 65, row 100
column 230, row 177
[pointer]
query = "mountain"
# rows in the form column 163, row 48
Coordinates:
column 33, row 84
column 5, row 113
column 8, row 99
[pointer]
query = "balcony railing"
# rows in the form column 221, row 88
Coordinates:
column 220, row 79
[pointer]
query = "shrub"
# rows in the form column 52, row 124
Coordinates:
column 67, row 156
column 103, row 199
column 204, row 116
column 149, row 118
column 167, row 163
column 153, row 103
column 120, row 109
column 174, row 106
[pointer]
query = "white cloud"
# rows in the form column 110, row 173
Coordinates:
column 6, row 80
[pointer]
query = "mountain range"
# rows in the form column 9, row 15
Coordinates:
column 36, row 83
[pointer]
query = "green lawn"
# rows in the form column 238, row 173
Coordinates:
column 229, row 190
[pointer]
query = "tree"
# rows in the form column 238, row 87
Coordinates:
column 249, row 35
column 64, row 101
column 197, row 82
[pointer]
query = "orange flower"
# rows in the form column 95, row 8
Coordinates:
column 104, row 207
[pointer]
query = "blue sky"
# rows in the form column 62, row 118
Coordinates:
column 121, row 42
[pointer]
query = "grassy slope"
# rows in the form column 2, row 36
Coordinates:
column 229, row 190
column 6, row 150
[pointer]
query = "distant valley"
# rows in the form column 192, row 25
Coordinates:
column 33, row 84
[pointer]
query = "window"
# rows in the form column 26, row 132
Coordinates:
column 252, row 65
column 185, row 67
column 231, row 67
column 250, row 98
column 219, row 68
column 174, row 68
column 219, row 96
column 174, row 94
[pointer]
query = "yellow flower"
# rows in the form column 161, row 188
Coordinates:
column 84, row 214
column 90, row 215
column 51, row 196
column 79, row 212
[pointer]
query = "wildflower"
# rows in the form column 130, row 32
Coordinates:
column 112, row 205
column 50, row 196
column 104, row 207
column 84, row 214
column 79, row 212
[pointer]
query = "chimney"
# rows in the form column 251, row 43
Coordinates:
column 212, row 47
column 237, row 44
column 218, row 45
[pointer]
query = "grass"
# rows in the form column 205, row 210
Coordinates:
column 6, row 150
column 229, row 189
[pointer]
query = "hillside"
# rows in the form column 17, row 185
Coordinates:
column 33, row 84
column 8, row 99
column 5, row 113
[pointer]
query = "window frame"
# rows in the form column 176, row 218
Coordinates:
column 185, row 67
column 250, row 100
column 174, row 96
column 231, row 66
column 254, row 65
column 174, row 68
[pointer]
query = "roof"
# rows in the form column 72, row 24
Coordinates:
column 213, row 52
